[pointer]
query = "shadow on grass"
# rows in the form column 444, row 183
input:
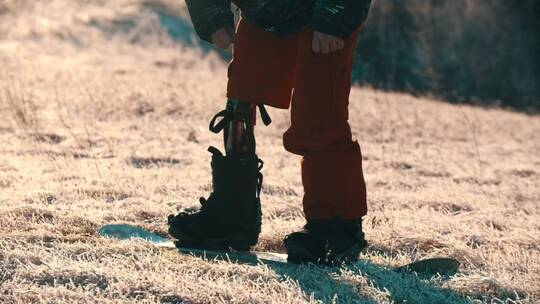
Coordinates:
column 364, row 282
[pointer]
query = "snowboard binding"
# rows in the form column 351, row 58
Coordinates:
column 230, row 218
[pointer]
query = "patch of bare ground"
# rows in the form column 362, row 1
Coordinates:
column 104, row 120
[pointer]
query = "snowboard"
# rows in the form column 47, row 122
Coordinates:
column 431, row 266
column 129, row 232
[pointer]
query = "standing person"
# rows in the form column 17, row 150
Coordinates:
column 287, row 53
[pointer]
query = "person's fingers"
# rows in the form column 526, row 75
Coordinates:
column 325, row 46
column 316, row 45
column 221, row 42
column 341, row 44
column 221, row 38
column 217, row 37
column 333, row 46
column 227, row 40
column 232, row 34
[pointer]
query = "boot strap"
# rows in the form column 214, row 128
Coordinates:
column 215, row 151
column 227, row 116
column 264, row 114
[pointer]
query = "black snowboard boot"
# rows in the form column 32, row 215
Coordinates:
column 326, row 242
column 231, row 216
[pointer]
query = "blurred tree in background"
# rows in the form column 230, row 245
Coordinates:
column 480, row 51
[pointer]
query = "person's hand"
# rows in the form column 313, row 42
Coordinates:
column 223, row 38
column 324, row 43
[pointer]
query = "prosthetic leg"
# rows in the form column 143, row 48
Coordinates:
column 231, row 216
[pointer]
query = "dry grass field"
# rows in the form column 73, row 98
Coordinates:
column 103, row 119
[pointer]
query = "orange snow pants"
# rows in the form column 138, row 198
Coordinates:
column 283, row 72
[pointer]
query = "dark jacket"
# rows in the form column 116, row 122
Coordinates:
column 282, row 17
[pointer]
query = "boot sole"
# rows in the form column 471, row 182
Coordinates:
column 238, row 242
column 300, row 255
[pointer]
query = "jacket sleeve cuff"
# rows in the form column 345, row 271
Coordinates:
column 207, row 20
column 339, row 18
column 220, row 21
column 326, row 27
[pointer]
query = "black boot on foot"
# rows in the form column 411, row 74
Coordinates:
column 326, row 242
column 231, row 216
